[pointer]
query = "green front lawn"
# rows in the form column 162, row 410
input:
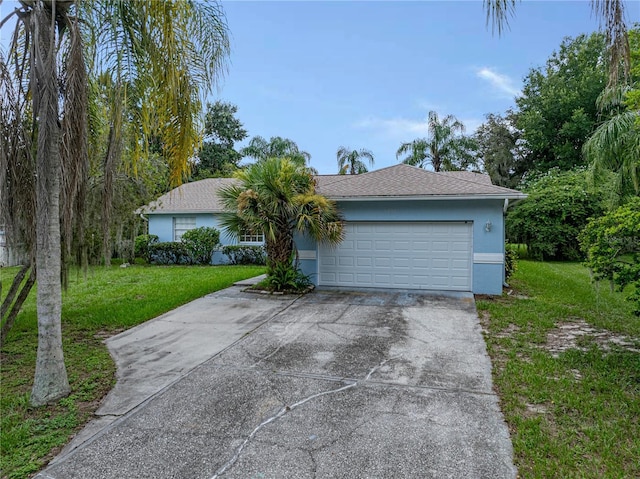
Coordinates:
column 110, row 300
column 570, row 395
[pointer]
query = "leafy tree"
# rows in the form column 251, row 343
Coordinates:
column 277, row 147
column 500, row 149
column 277, row 196
column 350, row 161
column 445, row 147
column 549, row 221
column 612, row 246
column 218, row 157
column 557, row 109
column 166, row 49
column 611, row 12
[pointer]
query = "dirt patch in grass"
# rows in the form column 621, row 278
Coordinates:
column 578, row 334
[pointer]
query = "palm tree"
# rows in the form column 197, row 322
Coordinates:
column 163, row 48
column 276, row 196
column 277, row 147
column 443, row 148
column 349, row 161
column 611, row 12
column 615, row 145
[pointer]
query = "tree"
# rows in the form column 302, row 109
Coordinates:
column 611, row 12
column 557, row 109
column 500, row 149
column 222, row 129
column 277, row 147
column 277, row 197
column 615, row 145
column 166, row 48
column 612, row 246
column 444, row 148
column 558, row 208
column 349, row 161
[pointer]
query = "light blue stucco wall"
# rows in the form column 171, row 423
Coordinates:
column 162, row 226
column 487, row 278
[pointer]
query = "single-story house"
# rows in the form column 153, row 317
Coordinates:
column 405, row 228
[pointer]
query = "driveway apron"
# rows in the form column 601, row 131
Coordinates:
column 339, row 384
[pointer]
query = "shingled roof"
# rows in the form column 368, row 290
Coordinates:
column 197, row 197
column 408, row 181
column 398, row 181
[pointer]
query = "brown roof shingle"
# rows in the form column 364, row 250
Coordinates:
column 197, row 197
column 409, row 181
column 396, row 181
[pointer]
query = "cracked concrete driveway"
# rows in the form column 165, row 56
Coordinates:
column 359, row 384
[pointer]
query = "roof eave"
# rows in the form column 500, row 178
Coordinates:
column 179, row 212
column 430, row 197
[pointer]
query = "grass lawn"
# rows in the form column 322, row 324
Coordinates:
column 107, row 302
column 570, row 394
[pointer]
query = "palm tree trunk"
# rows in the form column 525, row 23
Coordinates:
column 50, row 381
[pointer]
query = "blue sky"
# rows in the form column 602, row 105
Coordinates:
column 365, row 74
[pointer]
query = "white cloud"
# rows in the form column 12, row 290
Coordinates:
column 502, row 83
column 401, row 129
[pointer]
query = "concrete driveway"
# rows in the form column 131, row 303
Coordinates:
column 335, row 384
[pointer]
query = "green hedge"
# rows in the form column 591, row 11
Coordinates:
column 245, row 254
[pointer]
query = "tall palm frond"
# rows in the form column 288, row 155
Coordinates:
column 277, row 147
column 443, row 148
column 610, row 12
column 416, row 151
column 349, row 161
column 277, row 197
column 615, row 147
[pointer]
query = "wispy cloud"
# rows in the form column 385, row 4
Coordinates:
column 502, row 83
column 404, row 129
column 401, row 129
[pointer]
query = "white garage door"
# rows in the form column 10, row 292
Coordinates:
column 417, row 255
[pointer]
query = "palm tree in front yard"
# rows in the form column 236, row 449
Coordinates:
column 277, row 197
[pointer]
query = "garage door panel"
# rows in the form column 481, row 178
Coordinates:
column 327, row 260
column 346, row 278
column 420, row 255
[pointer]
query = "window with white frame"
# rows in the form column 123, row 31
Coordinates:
column 182, row 224
column 247, row 237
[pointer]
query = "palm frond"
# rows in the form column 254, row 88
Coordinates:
column 498, row 13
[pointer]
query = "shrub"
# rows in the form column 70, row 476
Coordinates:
column 285, row 276
column 612, row 245
column 510, row 261
column 142, row 246
column 556, row 211
column 169, row 253
column 201, row 243
column 245, row 254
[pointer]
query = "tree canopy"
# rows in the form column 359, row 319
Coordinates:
column 549, row 221
column 277, row 147
column 155, row 61
column 445, row 147
column 500, row 149
column 277, row 197
column 217, row 156
column 350, row 161
column 557, row 111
